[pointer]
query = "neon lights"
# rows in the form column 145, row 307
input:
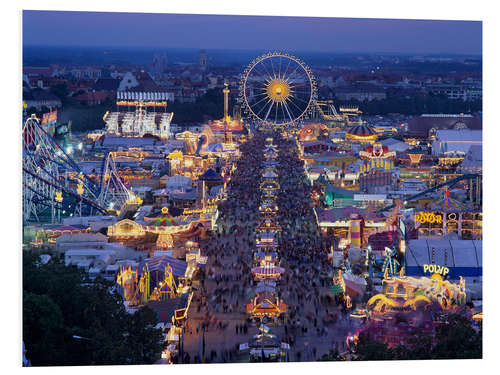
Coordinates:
column 428, row 217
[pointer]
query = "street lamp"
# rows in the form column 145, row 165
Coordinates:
column 79, row 191
column 59, row 199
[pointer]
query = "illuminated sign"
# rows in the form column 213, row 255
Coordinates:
column 209, row 209
column 137, row 103
column 49, row 117
column 428, row 217
column 434, row 268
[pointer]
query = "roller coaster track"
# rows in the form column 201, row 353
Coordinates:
column 468, row 176
column 53, row 180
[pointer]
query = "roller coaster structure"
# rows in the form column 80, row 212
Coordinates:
column 452, row 182
column 54, row 183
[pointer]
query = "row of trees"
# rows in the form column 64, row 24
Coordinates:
column 414, row 105
column 206, row 107
column 454, row 339
column 69, row 319
column 84, row 118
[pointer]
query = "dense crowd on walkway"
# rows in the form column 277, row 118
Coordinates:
column 227, row 285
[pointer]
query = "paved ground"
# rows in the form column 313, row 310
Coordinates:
column 228, row 287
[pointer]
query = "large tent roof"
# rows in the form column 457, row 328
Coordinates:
column 463, row 257
column 158, row 264
column 211, row 176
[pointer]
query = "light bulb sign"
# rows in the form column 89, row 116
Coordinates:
column 434, row 268
column 428, row 217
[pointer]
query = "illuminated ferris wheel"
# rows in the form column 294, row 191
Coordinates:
column 277, row 89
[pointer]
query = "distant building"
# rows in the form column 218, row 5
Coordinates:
column 92, row 98
column 141, row 86
column 373, row 180
column 159, row 65
column 360, row 92
column 87, row 72
column 427, row 122
column 203, row 59
column 465, row 92
column 107, row 84
column 473, row 161
column 39, row 98
column 456, row 141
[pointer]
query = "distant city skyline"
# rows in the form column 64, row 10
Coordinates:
column 342, row 35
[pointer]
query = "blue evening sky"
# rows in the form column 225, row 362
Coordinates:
column 60, row 28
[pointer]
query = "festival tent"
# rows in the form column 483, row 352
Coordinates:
column 462, row 257
column 179, row 182
column 211, row 176
column 157, row 266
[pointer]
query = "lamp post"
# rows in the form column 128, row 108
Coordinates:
column 59, row 199
column 80, row 191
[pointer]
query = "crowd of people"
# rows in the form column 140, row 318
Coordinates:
column 303, row 253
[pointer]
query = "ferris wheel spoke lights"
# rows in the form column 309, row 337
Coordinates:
column 285, row 81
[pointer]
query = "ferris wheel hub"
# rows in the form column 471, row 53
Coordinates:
column 278, row 90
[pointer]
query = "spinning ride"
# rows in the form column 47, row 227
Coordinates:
column 277, row 90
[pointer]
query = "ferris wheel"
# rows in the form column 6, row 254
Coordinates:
column 277, row 89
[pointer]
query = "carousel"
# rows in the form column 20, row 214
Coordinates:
column 161, row 224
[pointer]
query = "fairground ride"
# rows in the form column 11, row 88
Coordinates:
column 345, row 116
column 53, row 184
column 277, row 90
column 465, row 177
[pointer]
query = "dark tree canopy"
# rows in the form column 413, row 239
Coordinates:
column 455, row 338
column 61, row 302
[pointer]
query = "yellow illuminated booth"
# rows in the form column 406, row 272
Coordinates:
column 448, row 216
column 266, row 304
column 126, row 229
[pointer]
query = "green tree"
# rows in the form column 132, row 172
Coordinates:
column 457, row 339
column 43, row 328
column 368, row 349
column 418, row 347
column 60, row 90
column 69, row 319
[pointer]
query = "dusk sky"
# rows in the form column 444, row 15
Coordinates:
column 51, row 28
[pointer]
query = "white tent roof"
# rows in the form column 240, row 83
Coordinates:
column 179, row 181
column 82, row 237
column 459, row 253
column 269, row 174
